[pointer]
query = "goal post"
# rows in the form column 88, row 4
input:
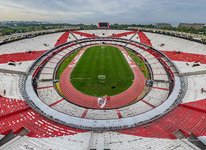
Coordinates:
column 102, row 47
column 101, row 77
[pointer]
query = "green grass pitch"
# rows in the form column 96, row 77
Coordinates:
column 102, row 71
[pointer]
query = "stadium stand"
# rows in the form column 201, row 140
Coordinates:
column 45, row 133
column 124, row 34
column 195, row 89
column 84, row 34
column 38, row 125
column 181, row 45
column 144, row 39
column 38, row 43
column 62, row 39
column 18, row 57
column 9, row 82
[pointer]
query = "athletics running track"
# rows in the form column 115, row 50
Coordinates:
column 116, row 101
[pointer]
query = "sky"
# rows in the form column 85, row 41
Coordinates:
column 113, row 11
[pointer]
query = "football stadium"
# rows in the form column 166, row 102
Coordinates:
column 73, row 88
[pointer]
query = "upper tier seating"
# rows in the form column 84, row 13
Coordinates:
column 174, row 43
column 43, row 42
column 10, row 86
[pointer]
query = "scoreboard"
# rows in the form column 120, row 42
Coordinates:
column 103, row 25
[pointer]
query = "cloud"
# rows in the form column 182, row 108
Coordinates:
column 92, row 11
